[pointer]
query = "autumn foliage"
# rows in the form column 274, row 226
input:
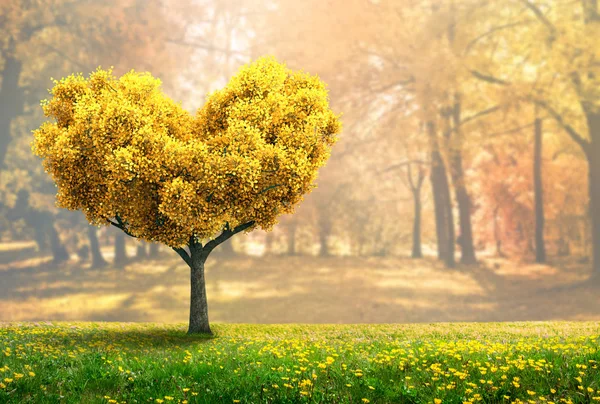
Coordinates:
column 121, row 150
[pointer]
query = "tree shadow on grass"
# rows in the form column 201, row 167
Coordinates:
column 141, row 337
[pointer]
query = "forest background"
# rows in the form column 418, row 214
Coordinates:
column 465, row 185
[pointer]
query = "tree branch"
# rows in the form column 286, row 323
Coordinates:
column 488, row 78
column 224, row 236
column 580, row 140
column 490, row 32
column 269, row 187
column 513, row 130
column 402, row 164
column 480, row 113
column 120, row 225
column 540, row 16
column 183, row 254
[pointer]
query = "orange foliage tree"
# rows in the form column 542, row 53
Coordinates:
column 128, row 156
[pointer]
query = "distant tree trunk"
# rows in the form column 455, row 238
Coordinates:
column 324, row 231
column 120, row 253
column 153, row 250
column 141, row 251
column 442, row 203
column 269, row 243
column 593, row 157
column 98, row 260
column 198, row 303
column 441, row 229
column 463, row 199
column 449, row 259
column 540, row 248
column 41, row 239
column 415, row 187
column 59, row 252
column 416, row 239
column 291, row 239
column 379, row 248
column 11, row 102
column 497, row 237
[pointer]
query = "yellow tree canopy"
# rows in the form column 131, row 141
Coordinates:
column 121, row 149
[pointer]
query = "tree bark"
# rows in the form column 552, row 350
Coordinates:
column 540, row 248
column 199, row 323
column 120, row 253
column 98, row 260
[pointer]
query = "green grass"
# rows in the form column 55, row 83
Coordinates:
column 418, row 363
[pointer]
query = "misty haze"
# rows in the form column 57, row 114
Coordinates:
column 371, row 166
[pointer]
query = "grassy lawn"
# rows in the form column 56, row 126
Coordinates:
column 535, row 362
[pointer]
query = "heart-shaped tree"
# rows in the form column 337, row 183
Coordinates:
column 128, row 156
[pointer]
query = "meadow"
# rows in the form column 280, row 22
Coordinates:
column 95, row 362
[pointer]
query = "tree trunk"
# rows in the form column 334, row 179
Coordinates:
column 416, row 245
column 59, row 252
column 464, row 211
column 98, row 260
column 269, row 243
column 540, row 248
column 291, row 239
column 463, row 199
column 441, row 229
column 449, row 259
column 324, row 230
column 593, row 157
column 444, row 219
column 153, row 250
column 11, row 102
column 120, row 253
column 198, row 302
column 497, row 237
column 141, row 251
